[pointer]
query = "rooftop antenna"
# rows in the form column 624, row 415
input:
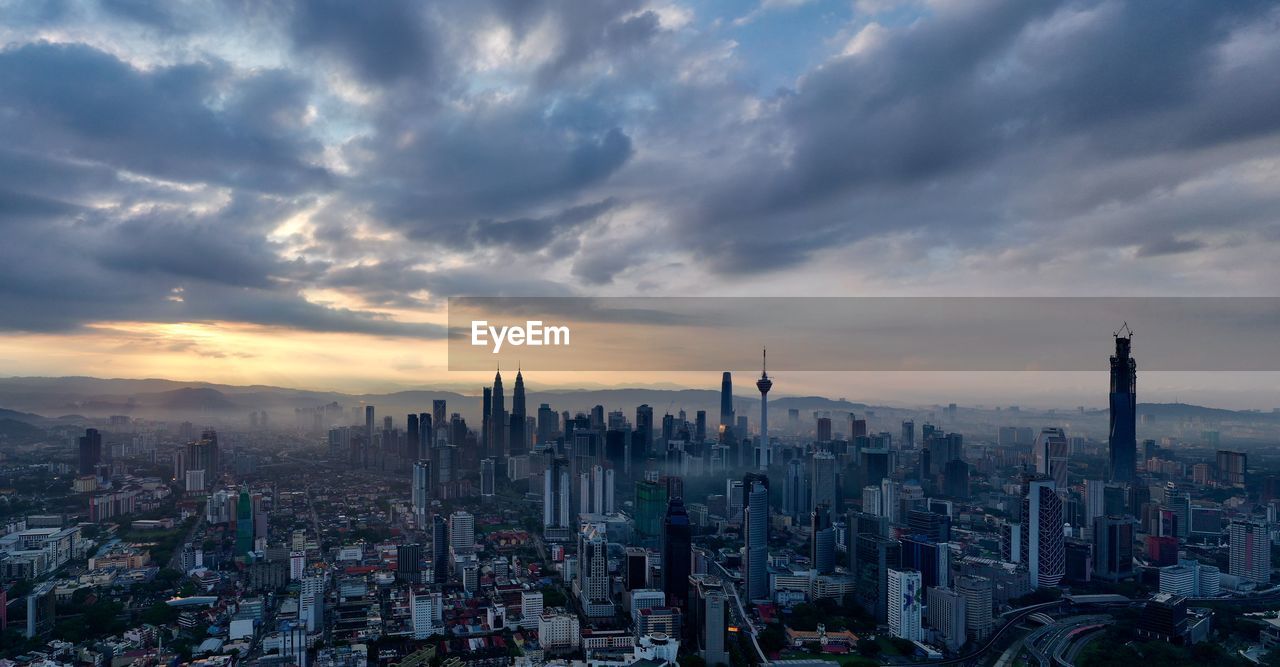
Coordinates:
column 1123, row 329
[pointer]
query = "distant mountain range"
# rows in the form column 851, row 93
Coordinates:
column 42, row 401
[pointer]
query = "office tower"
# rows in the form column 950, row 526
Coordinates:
column 795, row 490
column 1079, row 558
column 726, row 401
column 651, row 502
column 439, row 550
column 946, row 616
column 734, row 496
column 548, row 424
column 462, row 533
column 822, row 476
column 872, row 502
column 410, row 451
column 956, row 479
column 408, row 562
column 875, row 465
column 755, row 559
column 593, row 571
column 977, row 594
column 440, row 419
column 1122, row 438
column 1094, row 498
column 90, row 446
column 311, row 603
column 1250, row 551
column 643, row 436
column 487, row 477
column 700, row 426
column 1163, row 619
column 822, row 540
column 1043, row 549
column 677, row 554
column 635, row 569
column 421, row 492
column 875, row 556
column 1050, row 455
column 1191, row 578
column 517, row 440
column 1180, row 505
column 531, row 606
column 426, row 436
column 1232, row 468
column 931, row 525
column 1011, row 542
column 368, row 426
column 931, row 559
column 904, row 604
column 908, row 435
column 764, row 453
column 823, row 432
column 714, row 626
column 486, row 421
column 1113, row 547
column 890, row 507
column 244, row 524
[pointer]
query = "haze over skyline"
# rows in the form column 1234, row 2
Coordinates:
column 285, row 193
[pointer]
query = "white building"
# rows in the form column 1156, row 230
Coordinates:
column 1191, row 579
column 946, row 616
column 559, row 631
column 462, row 533
column 530, row 609
column 904, row 604
column 646, row 598
column 426, row 613
column 311, row 603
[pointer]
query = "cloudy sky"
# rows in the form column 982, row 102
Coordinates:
column 286, row 192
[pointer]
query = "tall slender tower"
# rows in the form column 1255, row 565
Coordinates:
column 1123, row 440
column 726, row 400
column 498, row 419
column 516, row 443
column 764, row 384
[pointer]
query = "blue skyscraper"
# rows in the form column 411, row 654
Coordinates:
column 1123, row 440
column 755, row 559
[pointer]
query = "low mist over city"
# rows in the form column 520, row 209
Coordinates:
column 639, row 333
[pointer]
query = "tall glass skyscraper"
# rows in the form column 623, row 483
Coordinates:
column 755, row 560
column 1123, row 440
column 677, row 554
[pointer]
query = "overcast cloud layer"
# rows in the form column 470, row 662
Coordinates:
column 334, row 166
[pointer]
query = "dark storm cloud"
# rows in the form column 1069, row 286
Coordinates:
column 159, row 122
column 381, row 42
column 963, row 96
column 539, row 148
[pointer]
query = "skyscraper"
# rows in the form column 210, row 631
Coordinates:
column 946, row 616
column 244, row 523
column 426, row 436
column 1123, row 438
column 410, row 451
column 440, row 419
column 1050, row 455
column 904, row 604
column 874, row 557
column 764, row 453
column 1043, row 548
column 439, row 549
column 462, row 533
column 822, row 540
column 677, row 554
column 755, row 559
column 977, row 594
column 593, row 571
column 908, row 435
column 90, row 446
column 822, row 479
column 421, row 492
column 726, row 401
column 487, row 478
column 517, row 440
column 1113, row 547
column 497, row 420
column 1250, row 557
column 555, row 495
column 368, row 428
column 795, row 490
column 486, row 421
